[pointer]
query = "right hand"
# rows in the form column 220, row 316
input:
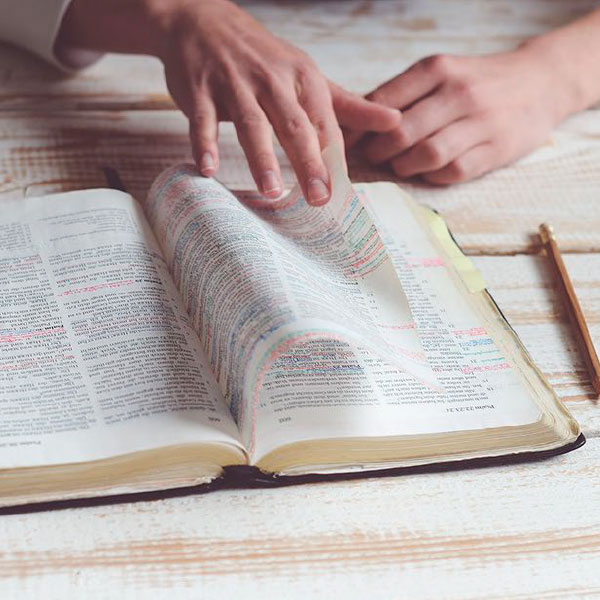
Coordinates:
column 221, row 64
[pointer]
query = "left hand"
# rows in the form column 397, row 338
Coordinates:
column 463, row 116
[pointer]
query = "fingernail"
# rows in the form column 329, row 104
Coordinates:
column 318, row 192
column 270, row 184
column 207, row 164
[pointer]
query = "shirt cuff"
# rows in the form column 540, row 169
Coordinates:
column 34, row 25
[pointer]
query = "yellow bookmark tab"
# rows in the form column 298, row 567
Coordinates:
column 466, row 269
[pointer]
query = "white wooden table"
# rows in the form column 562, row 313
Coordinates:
column 527, row 531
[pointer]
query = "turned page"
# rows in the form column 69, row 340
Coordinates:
column 328, row 389
column 97, row 357
column 313, row 325
column 468, row 343
column 287, row 303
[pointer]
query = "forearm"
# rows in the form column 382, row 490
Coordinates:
column 574, row 52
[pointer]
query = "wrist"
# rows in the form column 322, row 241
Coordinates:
column 566, row 92
column 122, row 26
column 202, row 20
column 571, row 56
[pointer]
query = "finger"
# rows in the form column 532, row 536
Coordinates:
column 358, row 113
column 301, row 143
column 472, row 164
column 419, row 122
column 315, row 99
column 435, row 152
column 203, row 135
column 417, row 81
column 256, row 138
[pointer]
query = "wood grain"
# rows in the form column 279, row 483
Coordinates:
column 520, row 531
column 524, row 288
column 564, row 288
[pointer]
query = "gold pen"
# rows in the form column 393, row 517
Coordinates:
column 565, row 287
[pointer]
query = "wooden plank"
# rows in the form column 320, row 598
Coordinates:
column 388, row 35
column 522, row 531
column 49, row 152
column 523, row 287
column 57, row 151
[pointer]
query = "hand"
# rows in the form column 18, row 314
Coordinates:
column 221, row 64
column 463, row 116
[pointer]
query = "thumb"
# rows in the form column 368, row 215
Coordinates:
column 358, row 113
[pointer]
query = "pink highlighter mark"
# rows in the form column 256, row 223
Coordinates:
column 99, row 286
column 425, row 261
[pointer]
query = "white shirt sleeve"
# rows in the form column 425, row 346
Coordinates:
column 34, row 25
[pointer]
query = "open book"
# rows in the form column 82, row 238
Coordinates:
column 165, row 345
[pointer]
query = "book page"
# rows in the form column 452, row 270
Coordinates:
column 258, row 283
column 354, row 393
column 97, row 356
column 464, row 345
